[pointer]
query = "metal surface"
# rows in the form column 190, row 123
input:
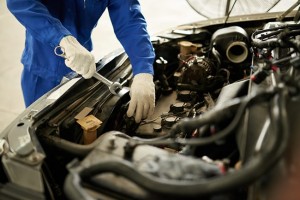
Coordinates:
column 19, row 139
column 27, row 175
column 114, row 87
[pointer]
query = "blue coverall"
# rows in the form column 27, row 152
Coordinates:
column 48, row 21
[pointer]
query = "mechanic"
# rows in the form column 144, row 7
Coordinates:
column 69, row 23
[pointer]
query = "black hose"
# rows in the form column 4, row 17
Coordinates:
column 283, row 33
column 260, row 164
column 268, row 35
column 214, row 116
column 73, row 189
column 218, row 115
column 169, row 138
column 219, row 135
column 79, row 150
column 289, row 26
column 70, row 147
column 272, row 43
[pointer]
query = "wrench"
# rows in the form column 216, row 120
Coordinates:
column 114, row 87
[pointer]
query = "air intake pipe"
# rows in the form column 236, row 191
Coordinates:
column 231, row 44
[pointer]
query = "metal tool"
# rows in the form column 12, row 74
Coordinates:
column 114, row 87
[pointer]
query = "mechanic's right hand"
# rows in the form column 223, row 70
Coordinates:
column 78, row 58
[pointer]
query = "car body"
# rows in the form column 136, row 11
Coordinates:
column 225, row 124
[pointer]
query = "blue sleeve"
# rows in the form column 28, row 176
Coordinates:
column 130, row 28
column 37, row 20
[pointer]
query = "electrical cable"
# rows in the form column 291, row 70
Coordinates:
column 260, row 164
column 187, row 125
column 283, row 32
column 284, row 26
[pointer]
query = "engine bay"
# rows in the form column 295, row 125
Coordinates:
column 227, row 101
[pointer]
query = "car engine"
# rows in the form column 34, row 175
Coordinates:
column 225, row 125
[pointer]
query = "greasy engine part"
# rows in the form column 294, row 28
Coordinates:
column 275, row 63
column 242, row 132
column 197, row 71
column 230, row 44
column 150, row 161
column 160, row 68
column 216, row 140
column 199, row 74
column 145, row 166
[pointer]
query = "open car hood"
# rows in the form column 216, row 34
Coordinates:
column 221, row 8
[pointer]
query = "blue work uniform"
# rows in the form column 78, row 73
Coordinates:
column 48, row 21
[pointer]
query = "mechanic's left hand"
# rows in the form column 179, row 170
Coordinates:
column 142, row 95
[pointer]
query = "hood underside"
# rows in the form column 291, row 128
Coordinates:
column 221, row 8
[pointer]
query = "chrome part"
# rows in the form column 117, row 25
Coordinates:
column 237, row 52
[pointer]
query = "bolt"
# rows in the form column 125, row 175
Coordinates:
column 35, row 157
column 112, row 142
column 4, row 147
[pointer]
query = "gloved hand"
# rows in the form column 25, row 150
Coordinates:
column 142, row 95
column 78, row 58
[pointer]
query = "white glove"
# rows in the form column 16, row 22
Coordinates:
column 142, row 95
column 78, row 58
